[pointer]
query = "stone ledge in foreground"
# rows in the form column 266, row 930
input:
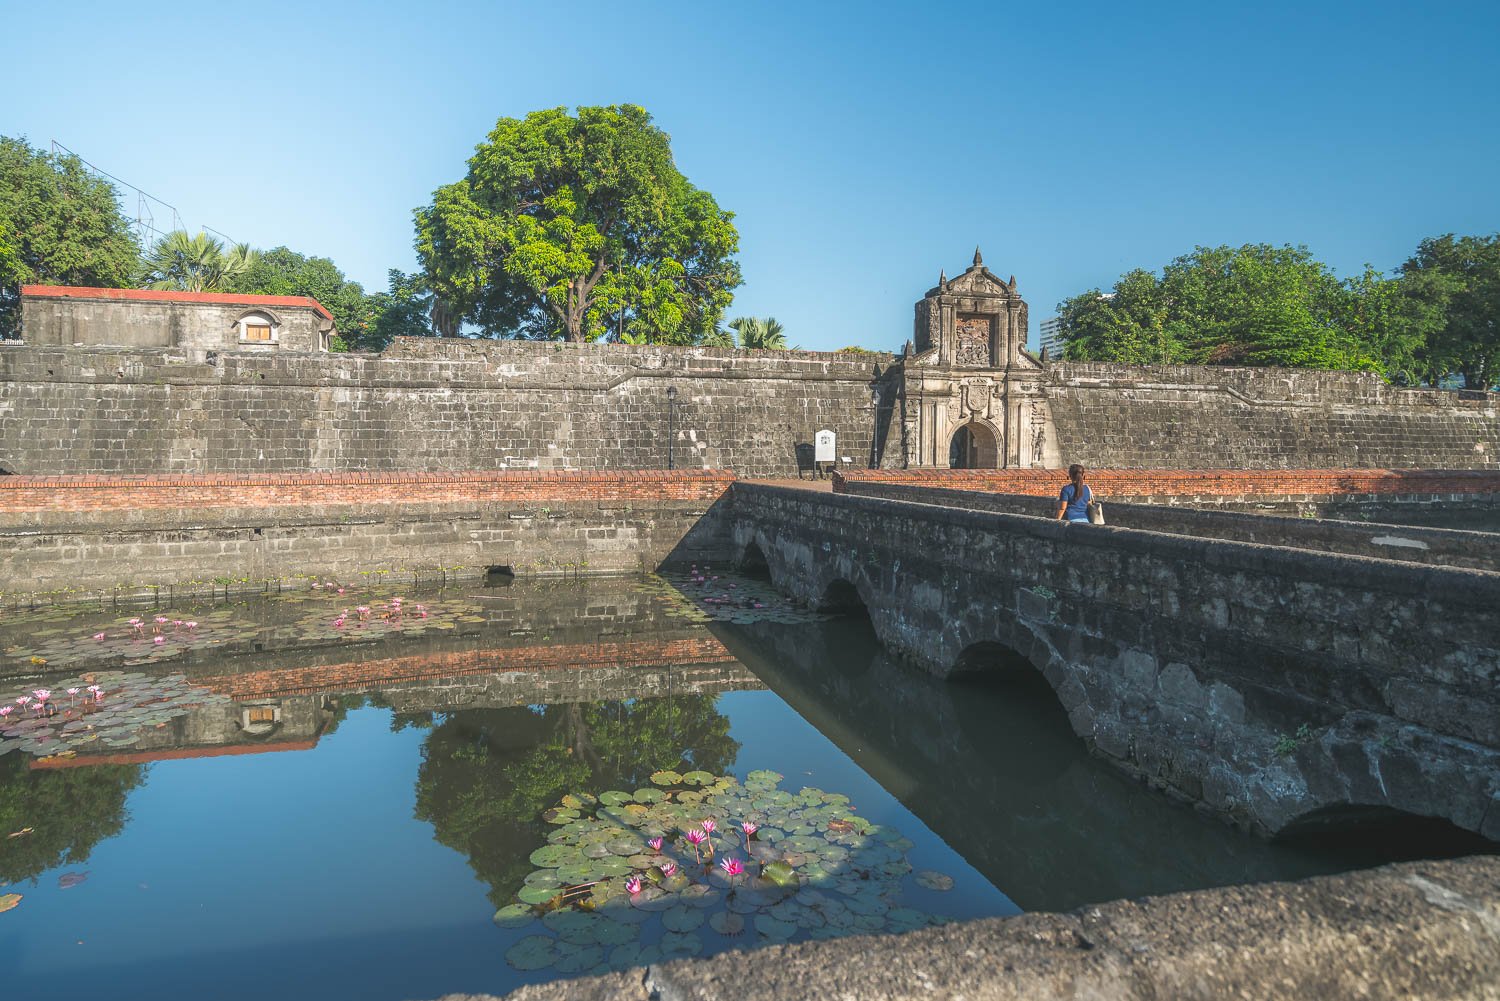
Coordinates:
column 1423, row 930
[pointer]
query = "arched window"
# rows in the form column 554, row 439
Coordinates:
column 258, row 328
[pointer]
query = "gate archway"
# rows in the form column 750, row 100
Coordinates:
column 974, row 446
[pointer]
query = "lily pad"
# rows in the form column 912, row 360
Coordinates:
column 698, row 778
column 681, row 918
column 666, row 778
column 552, row 856
column 726, row 922
column 9, row 901
column 514, row 916
column 579, row 959
column 614, row 798
column 934, row 880
column 678, row 944
column 534, row 952
column 774, row 928
column 781, row 874
column 536, row 894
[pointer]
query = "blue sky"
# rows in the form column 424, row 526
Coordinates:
column 861, row 146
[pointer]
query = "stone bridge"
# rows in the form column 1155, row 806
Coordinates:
column 1281, row 688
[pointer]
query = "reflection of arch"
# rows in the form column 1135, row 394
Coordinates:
column 988, row 658
column 974, row 446
column 1401, row 834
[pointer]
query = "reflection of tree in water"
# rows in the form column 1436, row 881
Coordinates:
column 70, row 810
column 487, row 774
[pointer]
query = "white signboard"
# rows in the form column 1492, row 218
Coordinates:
column 824, row 447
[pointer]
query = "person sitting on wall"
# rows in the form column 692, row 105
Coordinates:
column 1074, row 499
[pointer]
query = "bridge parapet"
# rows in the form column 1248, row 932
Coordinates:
column 1268, row 683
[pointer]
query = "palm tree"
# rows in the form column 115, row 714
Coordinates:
column 760, row 332
column 183, row 263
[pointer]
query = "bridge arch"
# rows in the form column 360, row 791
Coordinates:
column 842, row 595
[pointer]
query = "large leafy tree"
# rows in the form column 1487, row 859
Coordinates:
column 182, row 262
column 1252, row 305
column 574, row 226
column 59, row 224
column 1456, row 282
column 285, row 272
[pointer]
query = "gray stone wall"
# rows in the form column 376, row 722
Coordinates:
column 428, row 405
column 1267, row 683
column 82, row 556
column 1186, row 417
column 191, row 327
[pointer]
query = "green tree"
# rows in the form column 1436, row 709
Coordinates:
column 59, row 225
column 179, row 262
column 564, row 223
column 70, row 810
column 718, row 337
column 1251, row 305
column 759, row 332
column 1455, row 282
column 281, row 271
column 406, row 309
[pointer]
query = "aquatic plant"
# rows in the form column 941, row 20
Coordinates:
column 608, row 876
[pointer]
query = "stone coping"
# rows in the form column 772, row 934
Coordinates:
column 1417, row 930
column 1223, row 484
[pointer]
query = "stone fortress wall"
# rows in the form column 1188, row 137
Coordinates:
column 450, row 405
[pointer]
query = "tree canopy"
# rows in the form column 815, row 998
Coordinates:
column 565, row 225
column 59, row 225
column 70, row 810
column 1265, row 305
column 1454, row 282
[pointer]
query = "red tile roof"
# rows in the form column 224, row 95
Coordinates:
column 151, row 295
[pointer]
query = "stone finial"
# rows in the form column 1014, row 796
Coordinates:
column 942, row 278
column 978, row 260
column 908, row 349
column 1012, row 283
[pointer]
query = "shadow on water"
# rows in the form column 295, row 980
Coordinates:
column 993, row 767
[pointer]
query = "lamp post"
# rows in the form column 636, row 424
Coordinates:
column 874, row 425
column 671, row 407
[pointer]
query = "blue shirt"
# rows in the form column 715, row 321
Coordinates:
column 1077, row 507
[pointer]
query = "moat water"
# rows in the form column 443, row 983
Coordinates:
column 452, row 792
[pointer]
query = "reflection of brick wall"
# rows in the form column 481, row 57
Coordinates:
column 130, row 493
column 1207, row 484
column 386, row 672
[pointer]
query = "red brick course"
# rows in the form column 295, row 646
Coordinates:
column 1215, row 483
column 169, row 754
column 152, row 295
column 134, row 493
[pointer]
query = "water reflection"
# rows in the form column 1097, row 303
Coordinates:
column 996, row 771
column 487, row 775
column 58, row 817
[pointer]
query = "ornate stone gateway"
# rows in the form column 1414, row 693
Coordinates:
column 970, row 395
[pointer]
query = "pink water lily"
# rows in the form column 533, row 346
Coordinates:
column 42, row 694
column 99, row 637
column 158, row 640
column 191, row 626
column 695, row 837
column 7, row 710
column 667, row 868
column 96, row 691
column 749, row 827
column 23, row 701
column 655, row 844
column 731, row 866
column 709, row 825
column 633, row 885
